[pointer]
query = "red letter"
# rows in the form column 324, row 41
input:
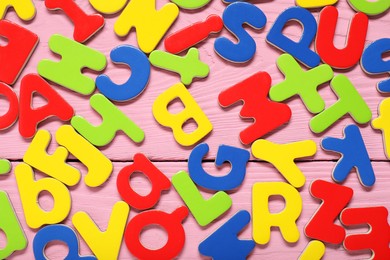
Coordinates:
column 267, row 114
column 158, row 180
column 334, row 198
column 29, row 117
column 84, row 25
column 351, row 53
column 171, row 223
column 377, row 239
column 13, row 56
column 11, row 115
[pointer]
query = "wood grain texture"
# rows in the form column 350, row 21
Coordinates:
column 160, row 146
column 227, row 123
column 98, row 203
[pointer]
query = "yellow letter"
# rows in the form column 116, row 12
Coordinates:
column 282, row 156
column 382, row 122
column 315, row 250
column 99, row 166
column 175, row 121
column 105, row 245
column 263, row 219
column 151, row 25
column 29, row 190
column 25, row 9
column 108, row 7
column 53, row 165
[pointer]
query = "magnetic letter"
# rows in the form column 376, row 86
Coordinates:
column 140, row 73
column 348, row 56
column 299, row 50
column 158, row 180
column 171, row 223
column 353, row 155
column 74, row 57
column 267, row 115
column 99, row 166
column 193, row 34
column 5, row 166
column 334, row 198
column 315, row 250
column 30, row 117
column 282, row 156
column 9, row 224
column 114, row 120
column 84, row 25
column 370, row 7
column 104, row 245
column 382, row 122
column 236, row 157
column 263, row 219
column 191, row 4
column 25, row 9
column 191, row 111
column 58, row 233
column 224, row 242
column 189, row 66
column 53, row 165
column 373, row 63
column 108, row 7
column 349, row 102
column 300, row 82
column 314, row 4
column 14, row 56
column 234, row 16
column 9, row 118
column 150, row 24
column 204, row 211
column 378, row 237
column 29, row 190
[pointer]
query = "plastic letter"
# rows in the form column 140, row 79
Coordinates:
column 267, row 115
column 105, row 245
column 234, row 16
column 263, row 219
column 224, row 242
column 74, row 57
column 349, row 102
column 150, row 24
column 30, row 117
column 29, row 190
column 204, row 211
column 353, row 155
column 191, row 111
column 53, row 165
column 299, row 50
column 9, row 224
column 171, row 223
column 58, row 233
column 140, row 73
column 300, row 82
column 157, row 179
column 334, row 198
column 189, row 66
column 99, row 166
column 236, row 157
column 348, row 56
column 114, row 120
column 282, row 156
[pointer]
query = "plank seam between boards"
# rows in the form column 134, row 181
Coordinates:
column 207, row 161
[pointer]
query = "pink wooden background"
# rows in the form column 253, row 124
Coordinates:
column 170, row 157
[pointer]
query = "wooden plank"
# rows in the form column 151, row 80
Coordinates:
column 98, row 203
column 159, row 143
